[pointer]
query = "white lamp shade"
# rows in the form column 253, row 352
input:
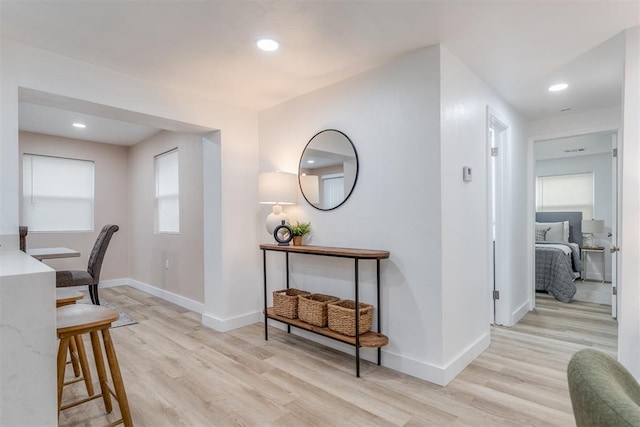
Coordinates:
column 310, row 188
column 592, row 226
column 278, row 188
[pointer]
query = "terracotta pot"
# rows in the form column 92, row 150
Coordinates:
column 297, row 240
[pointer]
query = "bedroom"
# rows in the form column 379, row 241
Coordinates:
column 575, row 174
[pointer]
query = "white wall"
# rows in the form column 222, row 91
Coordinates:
column 600, row 165
column 230, row 160
column 110, row 205
column 392, row 115
column 465, row 210
column 150, row 250
column 629, row 288
column 414, row 122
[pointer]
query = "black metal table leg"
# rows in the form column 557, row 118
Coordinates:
column 264, row 280
column 287, row 265
column 378, row 308
column 357, row 321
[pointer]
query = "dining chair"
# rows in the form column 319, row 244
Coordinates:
column 91, row 277
column 23, row 230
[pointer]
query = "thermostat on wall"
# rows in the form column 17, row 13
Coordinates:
column 466, row 174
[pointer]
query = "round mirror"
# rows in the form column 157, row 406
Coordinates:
column 328, row 169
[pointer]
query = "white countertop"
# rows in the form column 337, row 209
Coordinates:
column 15, row 263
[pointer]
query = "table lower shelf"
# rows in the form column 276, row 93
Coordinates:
column 370, row 339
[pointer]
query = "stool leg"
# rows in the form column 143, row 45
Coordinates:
column 102, row 374
column 63, row 349
column 73, row 355
column 117, row 378
column 86, row 372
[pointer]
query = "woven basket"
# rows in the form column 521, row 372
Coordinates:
column 313, row 308
column 285, row 302
column 342, row 317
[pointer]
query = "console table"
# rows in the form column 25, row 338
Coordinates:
column 369, row 339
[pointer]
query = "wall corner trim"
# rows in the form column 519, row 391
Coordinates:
column 225, row 325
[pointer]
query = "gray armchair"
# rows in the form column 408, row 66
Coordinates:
column 603, row 392
column 91, row 277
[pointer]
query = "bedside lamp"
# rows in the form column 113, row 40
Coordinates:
column 591, row 227
column 277, row 189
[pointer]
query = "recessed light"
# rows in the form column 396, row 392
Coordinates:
column 558, row 87
column 268, row 45
column 311, row 161
column 79, row 125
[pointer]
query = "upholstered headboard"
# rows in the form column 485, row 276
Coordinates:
column 575, row 223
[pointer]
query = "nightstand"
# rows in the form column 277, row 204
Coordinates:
column 588, row 250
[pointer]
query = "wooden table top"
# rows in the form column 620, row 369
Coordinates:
column 328, row 251
column 52, row 253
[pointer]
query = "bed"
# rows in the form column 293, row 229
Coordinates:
column 558, row 244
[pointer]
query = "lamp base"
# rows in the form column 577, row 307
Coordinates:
column 275, row 218
column 588, row 240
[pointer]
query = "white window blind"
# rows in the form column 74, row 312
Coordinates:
column 57, row 193
column 565, row 193
column 167, row 193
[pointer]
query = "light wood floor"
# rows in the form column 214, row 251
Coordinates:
column 178, row 373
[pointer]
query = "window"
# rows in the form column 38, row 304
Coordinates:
column 57, row 193
column 565, row 193
column 167, row 193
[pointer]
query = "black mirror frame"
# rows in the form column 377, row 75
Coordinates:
column 355, row 181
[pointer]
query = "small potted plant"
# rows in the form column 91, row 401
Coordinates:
column 299, row 230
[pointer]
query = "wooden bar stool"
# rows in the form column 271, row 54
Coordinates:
column 75, row 320
column 67, row 296
column 77, row 353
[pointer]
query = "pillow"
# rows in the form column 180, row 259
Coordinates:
column 566, row 231
column 541, row 234
column 556, row 231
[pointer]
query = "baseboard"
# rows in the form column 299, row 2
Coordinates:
column 519, row 313
column 185, row 302
column 441, row 375
column 465, row 358
column 225, row 325
column 112, row 283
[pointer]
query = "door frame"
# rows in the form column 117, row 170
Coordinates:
column 615, row 261
column 499, row 308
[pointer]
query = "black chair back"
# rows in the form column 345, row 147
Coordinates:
column 99, row 249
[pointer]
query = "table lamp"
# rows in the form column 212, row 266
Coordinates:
column 591, row 227
column 277, row 189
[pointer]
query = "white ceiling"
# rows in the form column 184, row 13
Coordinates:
column 581, row 145
column 207, row 47
column 58, row 122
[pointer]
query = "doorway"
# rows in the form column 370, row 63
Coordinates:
column 586, row 163
column 497, row 137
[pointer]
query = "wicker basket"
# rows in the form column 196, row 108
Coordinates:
column 342, row 317
column 313, row 308
column 285, row 302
